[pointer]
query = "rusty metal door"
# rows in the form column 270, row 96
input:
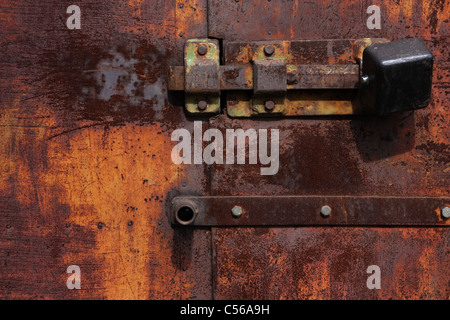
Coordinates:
column 88, row 179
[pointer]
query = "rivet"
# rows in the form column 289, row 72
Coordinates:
column 237, row 211
column 445, row 212
column 269, row 105
column 269, row 50
column 325, row 211
column 202, row 49
column 202, row 105
column 291, row 78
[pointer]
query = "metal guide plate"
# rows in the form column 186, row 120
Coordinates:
column 211, row 211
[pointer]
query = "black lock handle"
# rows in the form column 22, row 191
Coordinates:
column 396, row 76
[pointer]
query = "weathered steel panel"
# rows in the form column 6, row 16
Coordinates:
column 85, row 157
column 85, row 165
column 330, row 263
column 402, row 155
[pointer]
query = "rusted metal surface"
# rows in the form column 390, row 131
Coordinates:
column 201, row 66
column 318, row 64
column 253, row 66
column 240, row 77
column 85, row 126
column 305, row 211
column 269, row 77
column 323, row 77
column 236, row 77
column 330, row 263
column 405, row 155
column 201, row 76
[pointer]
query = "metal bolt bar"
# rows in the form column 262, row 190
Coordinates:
column 240, row 77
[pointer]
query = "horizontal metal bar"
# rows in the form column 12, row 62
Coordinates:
column 323, row 77
column 211, row 211
column 240, row 77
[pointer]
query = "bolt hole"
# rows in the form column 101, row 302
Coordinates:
column 185, row 215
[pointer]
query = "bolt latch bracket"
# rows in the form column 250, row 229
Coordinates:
column 304, row 78
column 201, row 76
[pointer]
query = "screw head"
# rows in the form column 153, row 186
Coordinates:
column 202, row 49
column 269, row 105
column 269, row 50
column 202, row 105
column 237, row 211
column 325, row 211
column 291, row 78
column 445, row 212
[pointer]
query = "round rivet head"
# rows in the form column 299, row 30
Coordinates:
column 269, row 105
column 202, row 49
column 202, row 105
column 269, row 50
column 237, row 211
column 445, row 212
column 325, row 211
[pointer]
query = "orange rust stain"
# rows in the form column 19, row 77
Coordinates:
column 117, row 176
column 189, row 14
column 136, row 5
column 396, row 11
column 427, row 267
column 16, row 134
column 316, row 286
column 435, row 14
column 109, row 175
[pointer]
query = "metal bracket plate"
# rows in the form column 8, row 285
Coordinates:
column 223, row 211
column 201, row 76
column 282, row 73
column 305, row 78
